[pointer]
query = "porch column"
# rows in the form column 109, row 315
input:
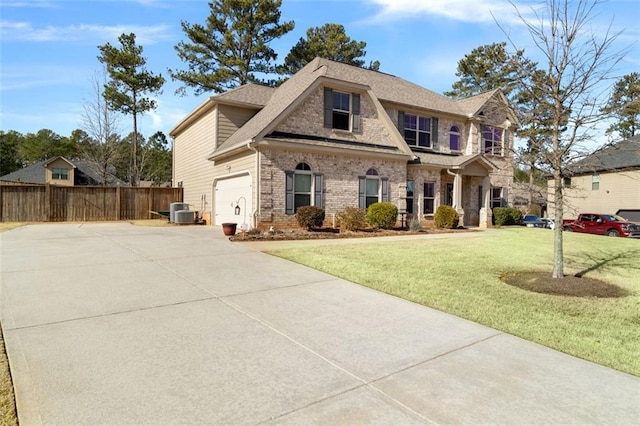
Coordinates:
column 457, row 195
column 485, row 211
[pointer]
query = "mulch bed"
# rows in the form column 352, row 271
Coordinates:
column 570, row 285
column 333, row 233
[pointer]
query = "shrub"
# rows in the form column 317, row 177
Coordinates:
column 382, row 215
column 446, row 217
column 309, row 217
column 352, row 218
column 506, row 216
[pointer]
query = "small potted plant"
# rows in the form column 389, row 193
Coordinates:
column 229, row 229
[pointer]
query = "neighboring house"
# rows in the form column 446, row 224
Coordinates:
column 606, row 181
column 521, row 193
column 63, row 172
column 334, row 136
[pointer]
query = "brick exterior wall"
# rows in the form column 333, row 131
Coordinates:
column 340, row 181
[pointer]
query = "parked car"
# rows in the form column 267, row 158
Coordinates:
column 533, row 221
column 549, row 222
column 602, row 224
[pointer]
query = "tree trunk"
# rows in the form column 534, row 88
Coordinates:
column 134, row 148
column 558, row 251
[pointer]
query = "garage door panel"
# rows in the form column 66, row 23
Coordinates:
column 227, row 194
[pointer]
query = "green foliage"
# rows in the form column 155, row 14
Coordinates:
column 491, row 67
column 232, row 46
column 382, row 215
column 45, row 144
column 310, row 217
column 129, row 83
column 10, row 159
column 624, row 106
column 506, row 216
column 352, row 218
column 446, row 217
column 328, row 41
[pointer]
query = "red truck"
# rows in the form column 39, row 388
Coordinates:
column 602, row 224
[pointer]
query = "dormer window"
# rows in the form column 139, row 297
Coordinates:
column 59, row 173
column 341, row 110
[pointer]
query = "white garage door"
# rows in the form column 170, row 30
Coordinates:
column 227, row 194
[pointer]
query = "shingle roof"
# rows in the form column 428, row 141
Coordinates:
column 385, row 87
column 450, row 161
column 621, row 155
column 251, row 94
column 36, row 173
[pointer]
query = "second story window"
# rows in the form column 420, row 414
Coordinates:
column 492, row 140
column 341, row 110
column 417, row 130
column 454, row 138
column 60, row 173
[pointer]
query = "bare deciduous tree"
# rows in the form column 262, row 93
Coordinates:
column 579, row 62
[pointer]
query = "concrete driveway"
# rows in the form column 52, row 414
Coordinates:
column 120, row 324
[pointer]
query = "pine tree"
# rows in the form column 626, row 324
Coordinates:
column 624, row 106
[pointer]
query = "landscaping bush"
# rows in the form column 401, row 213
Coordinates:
column 382, row 215
column 414, row 224
column 352, row 218
column 309, row 217
column 446, row 217
column 506, row 216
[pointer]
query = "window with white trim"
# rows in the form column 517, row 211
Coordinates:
column 341, row 110
column 372, row 188
column 595, row 182
column 492, row 140
column 497, row 197
column 429, row 197
column 59, row 173
column 303, row 188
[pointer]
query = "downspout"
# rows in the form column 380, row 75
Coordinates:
column 257, row 209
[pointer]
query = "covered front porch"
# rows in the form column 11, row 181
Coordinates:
column 462, row 182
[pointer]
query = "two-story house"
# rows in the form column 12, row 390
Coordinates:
column 334, row 136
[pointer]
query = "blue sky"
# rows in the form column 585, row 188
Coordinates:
column 49, row 47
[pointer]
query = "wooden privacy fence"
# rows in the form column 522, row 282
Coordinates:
column 51, row 203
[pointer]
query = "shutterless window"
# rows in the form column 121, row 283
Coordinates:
column 454, row 138
column 341, row 110
column 492, row 140
column 60, row 173
column 410, row 191
column 595, row 182
column 429, row 197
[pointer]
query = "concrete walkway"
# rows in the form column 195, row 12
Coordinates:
column 120, row 324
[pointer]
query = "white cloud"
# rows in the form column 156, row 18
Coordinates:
column 25, row 31
column 477, row 11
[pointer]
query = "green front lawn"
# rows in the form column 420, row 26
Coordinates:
column 461, row 276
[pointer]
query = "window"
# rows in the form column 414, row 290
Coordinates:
column 60, row 173
column 497, row 199
column 341, row 110
column 595, row 182
column 454, row 138
column 417, row 130
column 492, row 140
column 566, row 181
column 429, row 197
column 303, row 188
column 372, row 189
column 410, row 191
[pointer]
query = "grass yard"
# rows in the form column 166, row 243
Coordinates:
column 461, row 276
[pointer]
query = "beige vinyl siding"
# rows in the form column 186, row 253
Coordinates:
column 62, row 164
column 192, row 147
column 230, row 119
column 617, row 191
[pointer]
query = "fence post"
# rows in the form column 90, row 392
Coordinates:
column 47, row 203
column 118, row 195
column 150, row 202
column 1, row 203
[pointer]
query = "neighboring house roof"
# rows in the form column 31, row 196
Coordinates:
column 380, row 86
column 624, row 154
column 87, row 170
